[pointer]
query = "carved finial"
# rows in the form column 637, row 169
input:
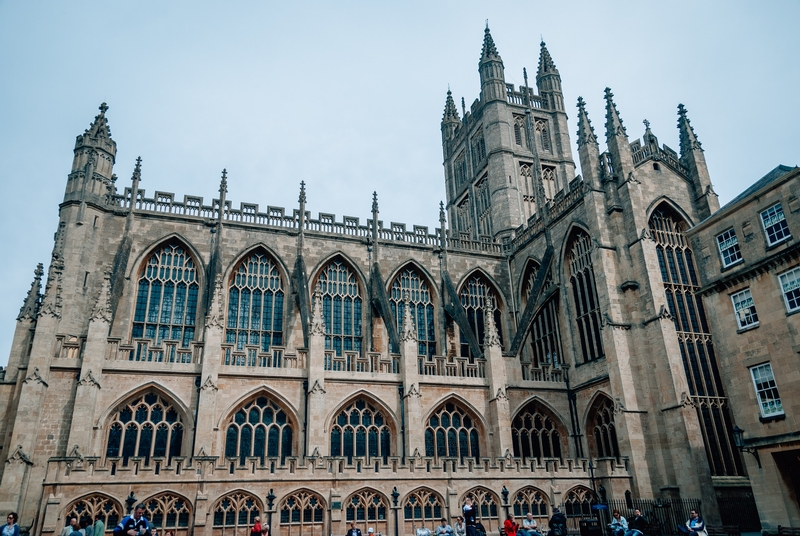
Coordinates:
column 409, row 331
column 613, row 121
column 317, row 320
column 490, row 336
column 489, row 50
column 585, row 129
column 688, row 139
column 375, row 204
column 102, row 308
column 30, row 306
column 463, row 107
column 223, row 184
column 450, row 111
column 442, row 214
column 103, row 108
column 546, row 63
column 646, row 124
column 216, row 315
column 51, row 303
column 302, row 199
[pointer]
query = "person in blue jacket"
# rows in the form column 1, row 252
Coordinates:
column 133, row 525
column 12, row 529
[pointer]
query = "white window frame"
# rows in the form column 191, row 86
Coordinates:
column 789, row 282
column 767, row 396
column 744, row 309
column 775, row 219
column 729, row 244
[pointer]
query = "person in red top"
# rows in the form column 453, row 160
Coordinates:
column 509, row 527
column 256, row 530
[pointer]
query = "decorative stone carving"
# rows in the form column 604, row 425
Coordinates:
column 409, row 331
column 32, row 301
column 317, row 389
column 215, row 318
column 51, row 304
column 89, row 379
column 490, row 338
column 501, row 395
column 19, row 456
column 102, row 309
column 75, row 453
column 317, row 320
column 413, row 391
column 209, row 385
column 619, row 407
column 35, row 377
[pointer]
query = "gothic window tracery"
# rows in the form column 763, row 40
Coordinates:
column 236, row 510
column 678, row 273
column 520, row 135
column 168, row 511
column 88, row 507
column 482, row 206
column 486, row 506
column 535, row 433
column 302, row 512
column 166, row 297
column 341, row 308
column 578, row 502
column 584, row 293
column 422, row 507
column 545, row 338
column 460, row 169
column 464, row 217
column 478, row 149
column 361, row 429
column 533, row 500
column 260, row 428
column 604, row 430
column 543, row 135
column 410, row 282
column 549, row 182
column 255, row 304
column 473, row 298
column 452, row 433
column 368, row 506
column 148, row 426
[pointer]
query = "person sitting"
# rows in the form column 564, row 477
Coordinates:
column 637, row 525
column 510, row 526
column 461, row 527
column 695, row 525
column 529, row 526
column 444, row 529
column 558, row 524
column 618, row 525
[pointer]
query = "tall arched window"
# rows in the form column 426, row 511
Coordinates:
column 544, row 335
column 676, row 262
column 361, row 429
column 168, row 511
column 302, row 512
column 584, row 294
column 601, row 420
column 341, row 308
column 578, row 502
column 473, row 298
column 543, row 135
column 236, row 510
column 409, row 281
column 422, row 507
column 166, row 298
column 109, row 510
column 255, row 304
column 486, row 504
column 531, row 500
column 452, row 433
column 368, row 506
column 259, row 428
column 148, row 426
column 535, row 433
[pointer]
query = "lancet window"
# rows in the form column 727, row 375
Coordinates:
column 166, row 297
column 368, row 506
column 302, row 512
column 549, row 182
column 486, row 506
column 676, row 262
column 168, row 511
column 148, row 426
column 531, row 500
column 543, row 135
column 259, row 428
column 520, row 131
column 341, row 308
column 452, row 433
column 478, row 149
column 109, row 510
column 584, row 293
column 578, row 502
column 473, row 298
column 409, row 282
column 255, row 304
column 422, row 507
column 544, row 336
column 464, row 217
column 483, row 204
column 604, row 430
column 361, row 430
column 236, row 510
column 535, row 433
column 460, row 169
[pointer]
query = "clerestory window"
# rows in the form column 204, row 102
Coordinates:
column 473, row 298
column 584, row 294
column 255, row 304
column 341, row 308
column 409, row 282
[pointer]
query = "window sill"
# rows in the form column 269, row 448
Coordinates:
column 779, row 243
column 772, row 418
column 732, row 265
column 748, row 328
column 793, row 312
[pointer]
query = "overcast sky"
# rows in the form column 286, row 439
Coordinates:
column 348, row 96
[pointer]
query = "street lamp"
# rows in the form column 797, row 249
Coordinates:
column 395, row 497
column 738, row 440
column 130, row 501
column 270, row 502
column 504, row 493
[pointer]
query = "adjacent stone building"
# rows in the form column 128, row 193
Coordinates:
column 750, row 277
column 219, row 363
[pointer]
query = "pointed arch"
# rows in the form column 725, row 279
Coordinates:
column 168, row 297
column 578, row 502
column 663, row 202
column 544, row 334
column 93, row 504
column 260, row 427
column 236, row 509
column 152, row 385
column 601, row 431
column 138, row 262
column 255, row 286
column 454, row 429
column 252, row 394
column 422, row 507
column 343, row 290
column 362, row 426
column 487, row 507
column 169, row 510
column 579, row 269
column 531, row 500
column 255, row 247
column 473, row 290
column 538, row 432
column 415, row 265
column 526, row 278
column 414, row 282
column 302, row 512
column 367, row 505
column 361, row 277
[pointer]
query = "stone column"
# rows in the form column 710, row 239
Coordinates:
column 499, row 412
column 207, row 403
column 412, row 403
column 316, row 440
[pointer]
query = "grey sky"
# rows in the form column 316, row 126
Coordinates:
column 348, row 96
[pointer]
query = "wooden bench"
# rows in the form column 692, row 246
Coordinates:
column 724, row 530
column 788, row 531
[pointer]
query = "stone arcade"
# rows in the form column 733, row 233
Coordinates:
column 219, row 363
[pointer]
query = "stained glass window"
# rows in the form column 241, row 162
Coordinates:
column 341, row 308
column 259, row 428
column 535, row 433
column 361, row 429
column 255, row 304
column 584, row 293
column 473, row 299
column 452, row 433
column 409, row 281
column 148, row 426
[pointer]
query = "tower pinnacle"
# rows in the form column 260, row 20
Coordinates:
column 450, row 110
column 613, row 122
column 546, row 64
column 585, row 129
column 489, row 51
column 689, row 141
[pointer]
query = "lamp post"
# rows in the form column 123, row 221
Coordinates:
column 130, row 501
column 270, row 502
column 504, row 493
column 395, row 497
column 738, row 440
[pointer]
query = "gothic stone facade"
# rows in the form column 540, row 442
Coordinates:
column 219, row 363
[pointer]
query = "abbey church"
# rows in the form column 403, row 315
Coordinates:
column 546, row 346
